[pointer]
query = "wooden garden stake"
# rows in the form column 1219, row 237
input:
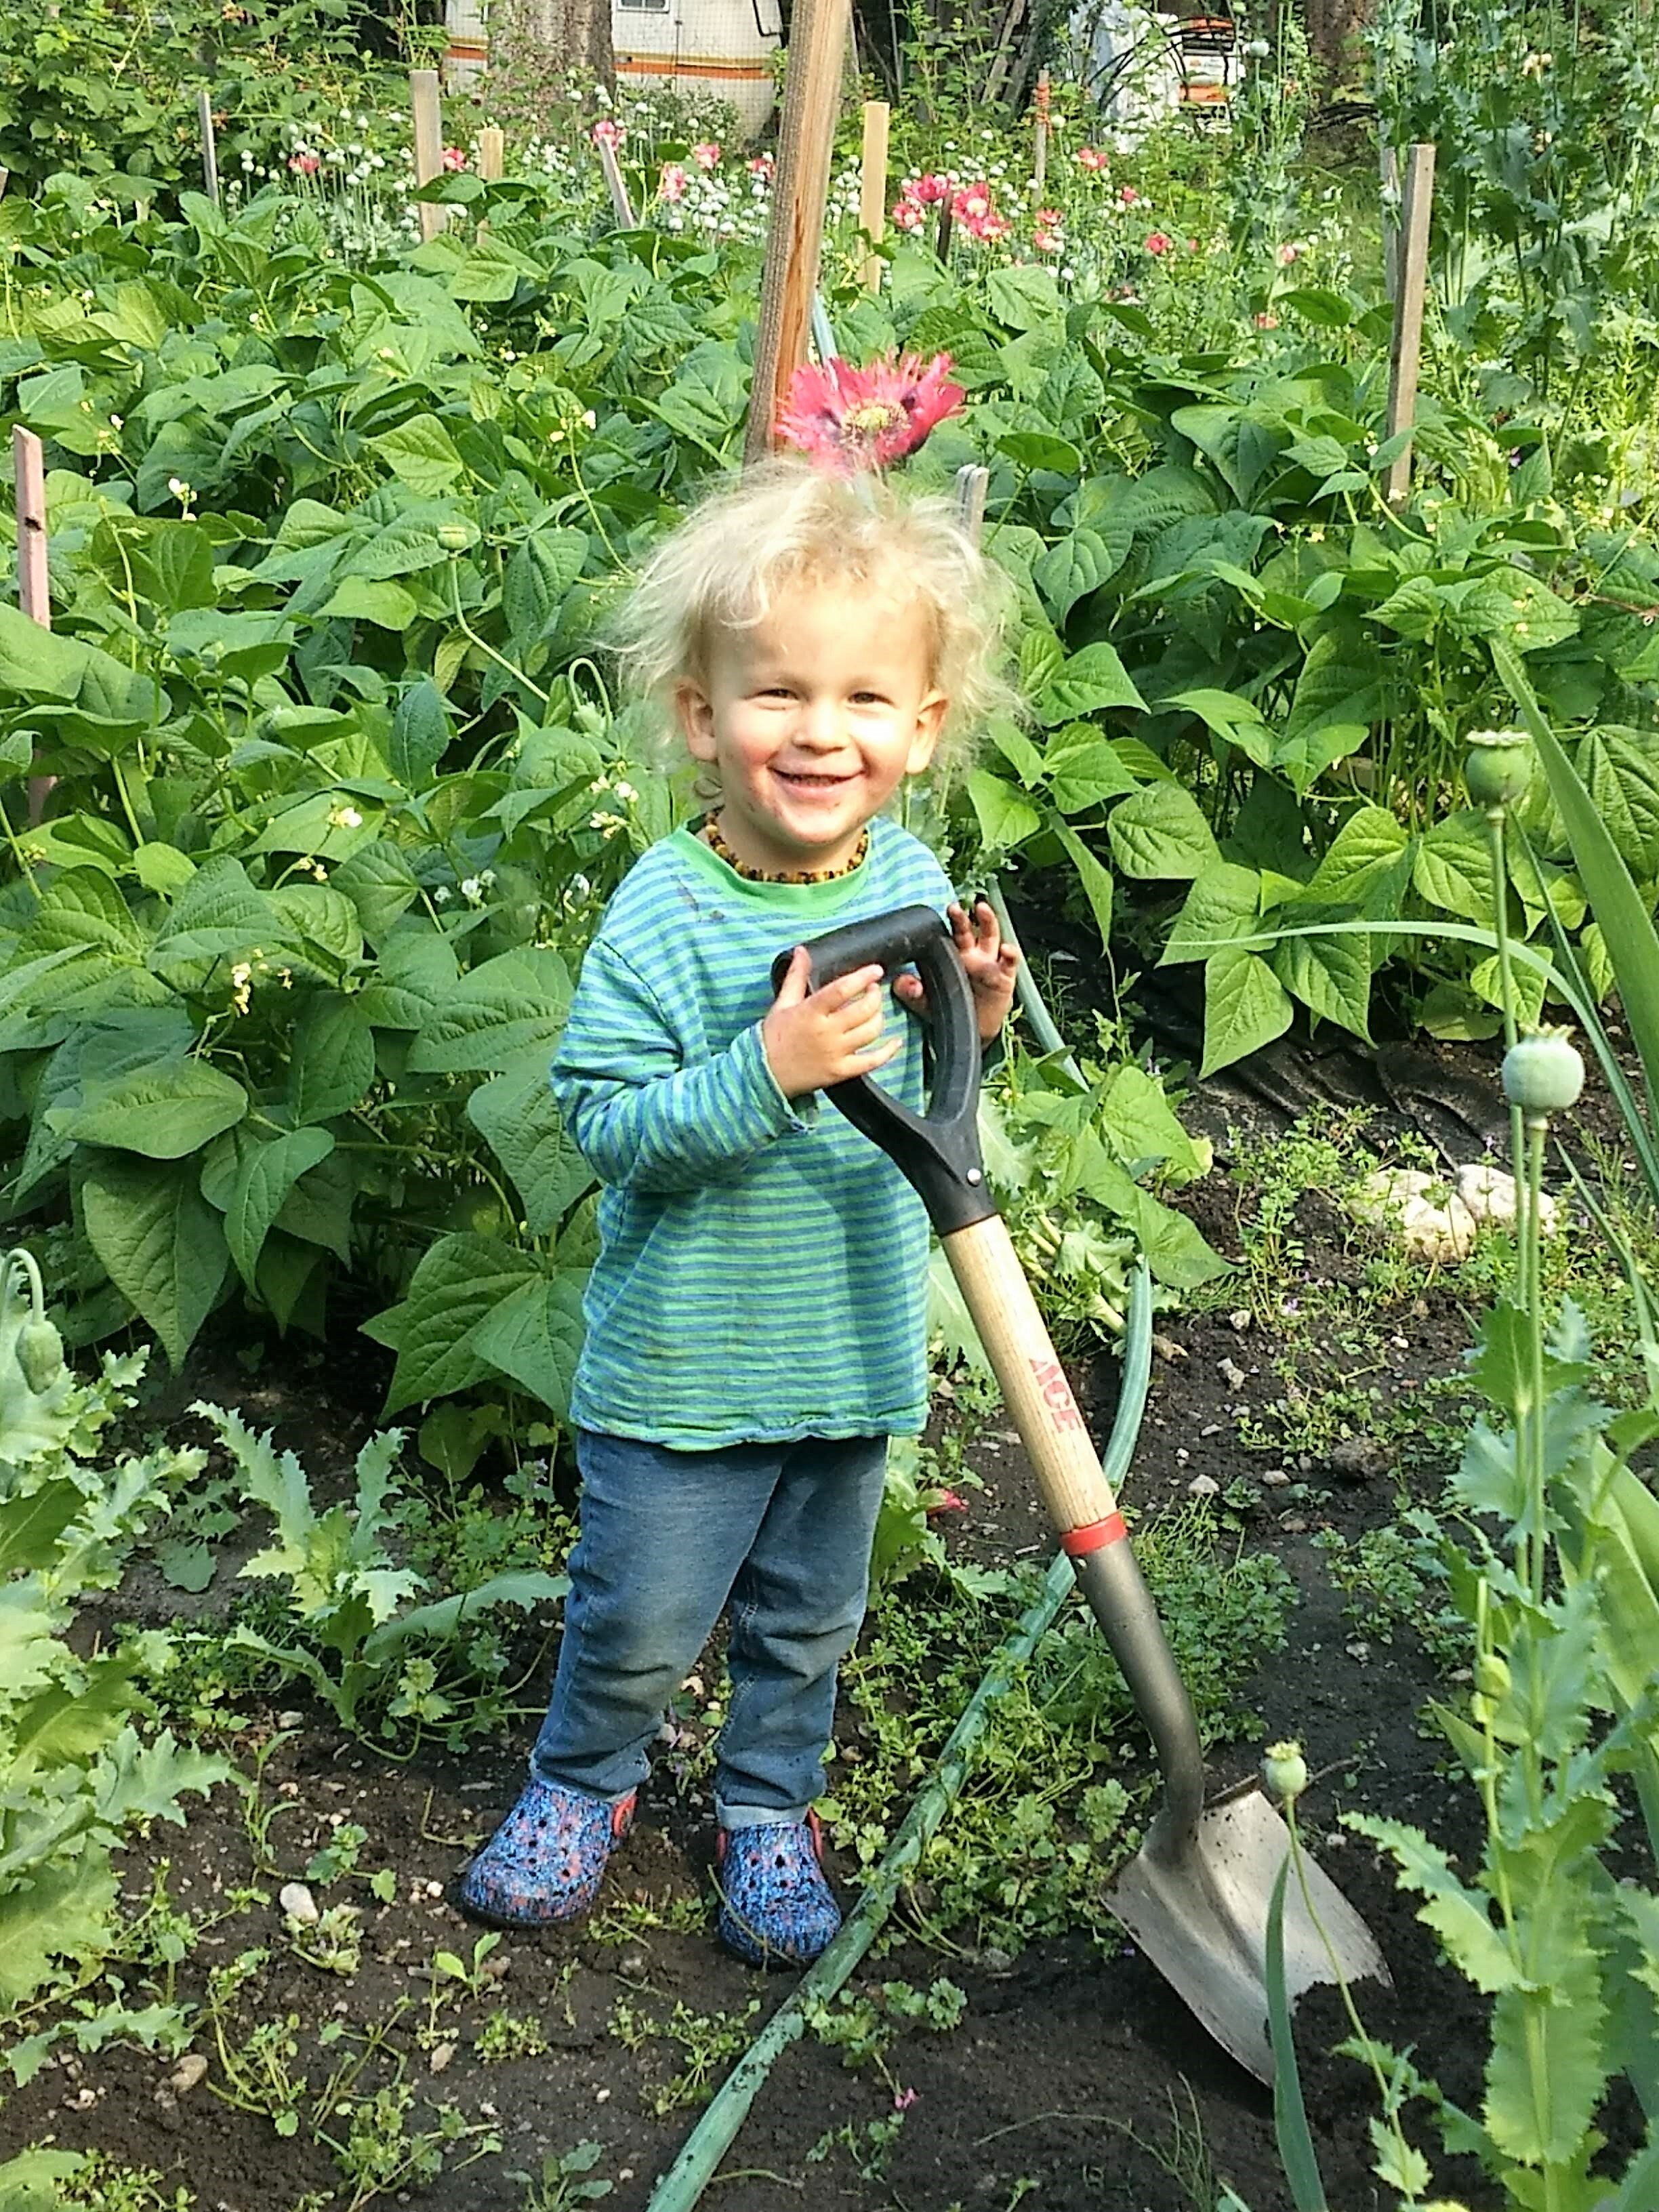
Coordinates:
column 616, row 184
column 209, row 146
column 34, row 588
column 1409, row 313
column 428, row 144
column 972, row 484
column 1389, row 164
column 818, row 39
column 1040, row 133
column 492, row 154
column 873, row 187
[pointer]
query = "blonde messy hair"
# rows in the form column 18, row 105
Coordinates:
column 784, row 523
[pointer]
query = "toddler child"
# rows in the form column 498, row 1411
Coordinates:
column 756, row 1318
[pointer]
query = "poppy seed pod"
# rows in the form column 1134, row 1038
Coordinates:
column 1543, row 1073
column 1498, row 766
column 1284, row 1771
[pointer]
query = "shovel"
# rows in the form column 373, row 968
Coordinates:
column 1195, row 1897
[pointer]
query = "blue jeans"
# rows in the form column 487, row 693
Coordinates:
column 782, row 1533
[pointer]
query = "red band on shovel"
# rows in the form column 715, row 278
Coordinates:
column 1078, row 1543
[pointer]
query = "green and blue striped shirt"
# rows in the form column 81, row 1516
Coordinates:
column 763, row 1269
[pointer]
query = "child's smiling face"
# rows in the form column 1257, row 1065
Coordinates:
column 812, row 718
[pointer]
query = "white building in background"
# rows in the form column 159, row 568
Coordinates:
column 723, row 47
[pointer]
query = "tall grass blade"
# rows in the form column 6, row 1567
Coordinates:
column 1296, row 2149
column 1631, row 940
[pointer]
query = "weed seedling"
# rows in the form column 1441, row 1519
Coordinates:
column 565, row 2180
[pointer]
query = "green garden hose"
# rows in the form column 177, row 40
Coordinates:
column 683, row 2184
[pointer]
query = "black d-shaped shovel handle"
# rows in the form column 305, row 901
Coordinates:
column 937, row 1152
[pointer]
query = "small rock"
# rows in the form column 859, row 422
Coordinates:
column 1167, row 1348
column 167, row 2114
column 1293, row 1524
column 1489, row 1194
column 497, row 1967
column 1419, row 1308
column 1203, row 1485
column 290, row 1720
column 297, row 1901
column 1274, row 1477
column 1211, row 1429
column 1359, row 1458
column 992, row 1961
column 189, row 2074
column 1232, row 1374
column 440, row 2056
column 602, row 2096
column 1358, row 1651
column 632, row 1965
column 435, row 1889
column 1239, row 1319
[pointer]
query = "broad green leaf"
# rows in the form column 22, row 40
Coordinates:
column 1006, row 818
column 30, row 1528
column 1081, row 562
column 217, row 919
column 164, row 1113
column 161, row 1244
column 422, row 454
column 1223, row 904
column 1024, row 298
column 1237, row 721
column 1331, row 975
column 1083, row 773
column 515, row 1112
column 460, row 1280
column 1453, row 867
column 1245, row 1006
column 1138, row 1121
column 332, row 1064
column 268, row 1173
column 162, row 868
column 1095, row 877
column 39, row 664
column 535, row 1336
column 1160, row 834
column 360, row 599
column 1548, row 2067
column 380, row 883
column 1364, row 852
column 321, row 923
column 539, row 573
column 1089, row 680
column 488, row 1016
column 1621, row 771
column 421, row 733
column 1016, row 748
column 1337, row 699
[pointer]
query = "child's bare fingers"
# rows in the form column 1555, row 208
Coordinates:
column 849, row 987
column 878, row 1055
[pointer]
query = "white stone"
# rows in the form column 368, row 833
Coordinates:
column 189, row 2074
column 1203, row 1485
column 297, row 1901
column 1489, row 1194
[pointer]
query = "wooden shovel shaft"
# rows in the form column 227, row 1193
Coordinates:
column 1068, row 1471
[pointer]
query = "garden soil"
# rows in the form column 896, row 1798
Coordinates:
column 1076, row 2083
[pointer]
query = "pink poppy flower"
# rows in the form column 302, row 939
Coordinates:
column 1050, row 218
column 1288, row 254
column 1090, row 157
column 991, row 228
column 972, row 204
column 1159, row 241
column 453, row 158
column 1267, row 322
column 763, row 166
column 929, row 189
column 606, row 132
column 706, row 156
column 305, row 165
column 1193, row 246
column 1045, row 241
column 907, row 215
column 670, row 186
column 849, row 418
column 1128, row 194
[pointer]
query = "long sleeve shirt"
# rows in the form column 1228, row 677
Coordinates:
column 762, row 1275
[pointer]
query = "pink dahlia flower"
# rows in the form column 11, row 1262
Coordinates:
column 848, row 418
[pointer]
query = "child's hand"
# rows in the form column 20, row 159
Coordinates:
column 991, row 962
column 816, row 1037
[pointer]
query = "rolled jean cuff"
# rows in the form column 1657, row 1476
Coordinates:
column 757, row 1816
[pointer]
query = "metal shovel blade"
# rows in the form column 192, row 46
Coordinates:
column 1196, row 1903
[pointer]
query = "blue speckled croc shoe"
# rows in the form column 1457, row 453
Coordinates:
column 546, row 1862
column 776, row 1909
